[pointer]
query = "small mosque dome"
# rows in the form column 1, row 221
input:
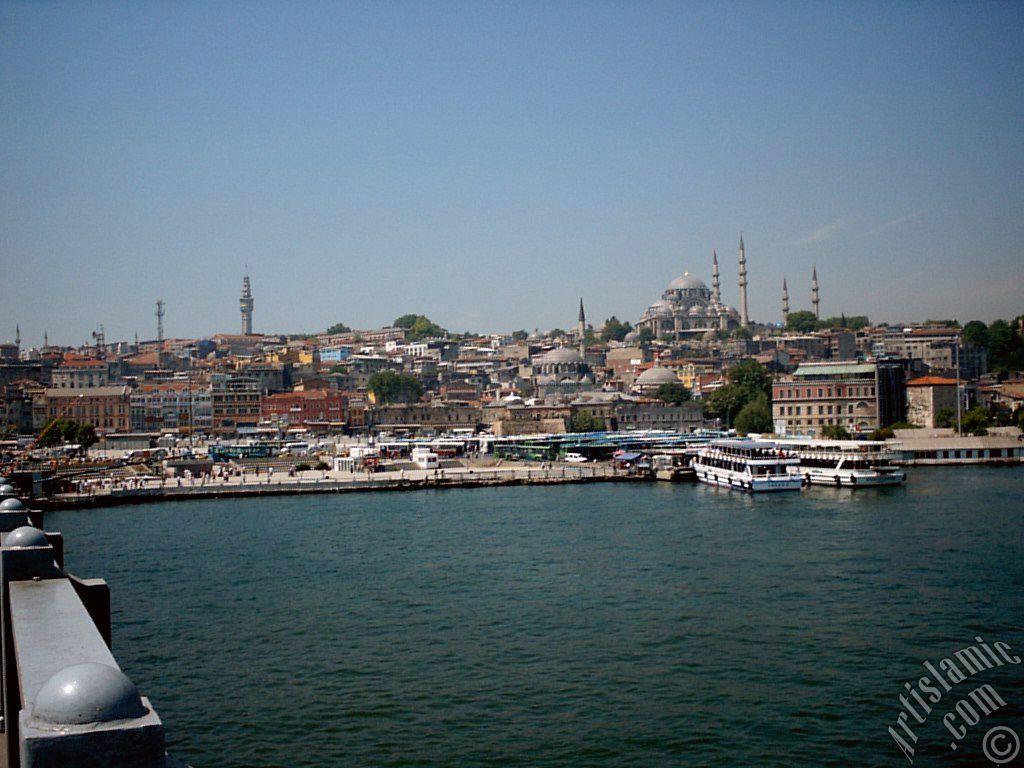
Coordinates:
column 695, row 311
column 12, row 505
column 631, row 338
column 710, row 336
column 687, row 283
column 25, row 536
column 87, row 693
column 656, row 377
column 661, row 307
column 7, row 490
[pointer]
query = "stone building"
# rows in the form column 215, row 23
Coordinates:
column 651, row 380
column 234, row 404
column 927, row 396
column 688, row 310
column 856, row 396
column 561, row 372
column 106, row 408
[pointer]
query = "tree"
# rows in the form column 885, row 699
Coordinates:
column 646, row 335
column 741, row 333
column 405, row 321
column 976, row 421
column 726, row 402
column 614, row 329
column 60, row 431
column 85, row 435
column 945, row 418
column 418, row 327
column 802, row 321
column 520, row 335
column 835, row 432
column 338, row 328
column 526, row 390
column 556, row 333
column 585, row 421
column 748, row 380
column 976, row 333
column 1005, row 347
column 673, row 393
column 752, row 376
column 392, row 387
column 755, row 416
column 852, row 323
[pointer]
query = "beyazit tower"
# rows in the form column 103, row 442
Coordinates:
column 246, row 303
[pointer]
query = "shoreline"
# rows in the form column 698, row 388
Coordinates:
column 393, row 481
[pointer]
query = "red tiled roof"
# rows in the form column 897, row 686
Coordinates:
column 931, row 381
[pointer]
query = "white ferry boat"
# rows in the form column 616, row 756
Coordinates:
column 847, row 463
column 747, row 465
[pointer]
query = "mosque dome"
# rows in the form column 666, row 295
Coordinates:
column 661, row 307
column 560, row 356
column 695, row 311
column 655, row 377
column 687, row 283
column 631, row 338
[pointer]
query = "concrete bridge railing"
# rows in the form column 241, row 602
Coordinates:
column 66, row 702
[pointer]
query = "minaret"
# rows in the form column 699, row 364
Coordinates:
column 17, row 335
column 744, row 318
column 814, row 293
column 246, row 303
column 716, row 287
column 785, row 303
column 46, row 339
column 581, row 331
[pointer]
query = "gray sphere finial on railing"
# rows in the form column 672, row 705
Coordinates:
column 26, row 536
column 12, row 505
column 87, row 693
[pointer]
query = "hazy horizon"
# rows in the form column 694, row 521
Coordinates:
column 487, row 165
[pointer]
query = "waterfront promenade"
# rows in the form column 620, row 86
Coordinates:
column 249, row 483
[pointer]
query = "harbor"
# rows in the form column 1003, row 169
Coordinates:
column 143, row 490
column 262, row 468
column 465, row 629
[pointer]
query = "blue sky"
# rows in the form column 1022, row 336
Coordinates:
column 487, row 164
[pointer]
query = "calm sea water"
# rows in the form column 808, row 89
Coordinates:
column 596, row 625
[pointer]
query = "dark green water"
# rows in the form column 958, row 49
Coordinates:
column 600, row 625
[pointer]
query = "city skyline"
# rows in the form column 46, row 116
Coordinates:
column 487, row 165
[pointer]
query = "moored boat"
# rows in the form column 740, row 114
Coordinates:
column 747, row 465
column 844, row 463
